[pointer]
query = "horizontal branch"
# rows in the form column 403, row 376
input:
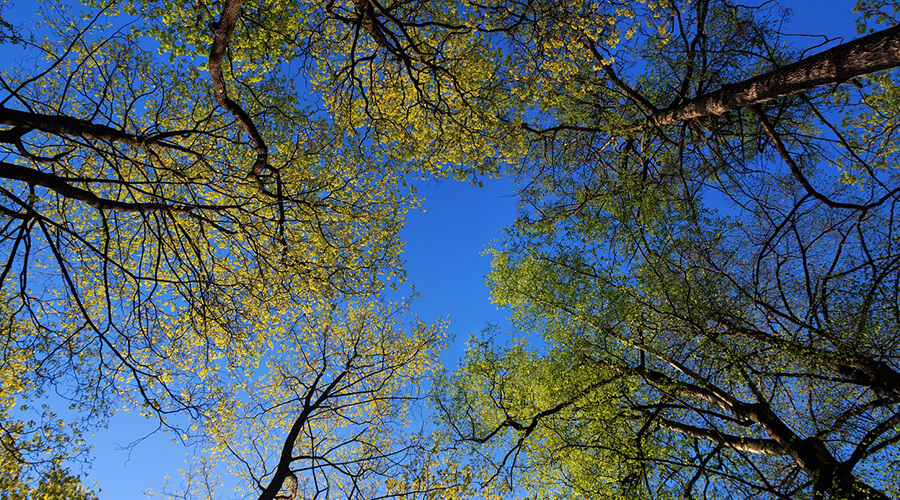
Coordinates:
column 62, row 187
column 64, row 126
column 24, row 122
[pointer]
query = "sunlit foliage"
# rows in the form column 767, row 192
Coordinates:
column 710, row 266
column 201, row 205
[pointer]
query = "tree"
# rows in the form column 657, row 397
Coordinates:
column 708, row 256
column 327, row 413
column 213, row 249
column 208, row 250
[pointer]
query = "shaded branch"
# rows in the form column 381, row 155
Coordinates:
column 283, row 469
column 222, row 31
column 798, row 174
column 62, row 125
column 60, row 186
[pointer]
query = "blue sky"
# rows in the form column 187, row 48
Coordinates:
column 444, row 246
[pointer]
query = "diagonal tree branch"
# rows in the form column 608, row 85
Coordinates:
column 61, row 125
column 283, row 469
column 839, row 64
column 798, row 174
column 222, row 31
column 60, row 186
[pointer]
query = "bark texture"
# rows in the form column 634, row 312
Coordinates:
column 840, row 64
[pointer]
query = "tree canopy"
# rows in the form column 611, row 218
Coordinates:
column 208, row 249
column 706, row 250
column 201, row 205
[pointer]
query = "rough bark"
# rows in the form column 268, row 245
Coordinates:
column 840, row 64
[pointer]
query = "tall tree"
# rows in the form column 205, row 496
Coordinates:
column 206, row 249
column 164, row 221
column 707, row 251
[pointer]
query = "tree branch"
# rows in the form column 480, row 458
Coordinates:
column 839, row 64
column 798, row 174
column 222, row 31
column 59, row 185
column 749, row 445
column 283, row 469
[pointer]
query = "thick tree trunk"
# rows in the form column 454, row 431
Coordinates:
column 840, row 64
column 811, row 455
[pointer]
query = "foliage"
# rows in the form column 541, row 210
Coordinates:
column 418, row 80
column 336, row 392
column 217, row 267
column 58, row 484
column 707, row 257
column 716, row 307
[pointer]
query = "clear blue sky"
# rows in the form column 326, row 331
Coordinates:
column 445, row 263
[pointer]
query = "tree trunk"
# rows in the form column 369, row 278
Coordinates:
column 839, row 64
